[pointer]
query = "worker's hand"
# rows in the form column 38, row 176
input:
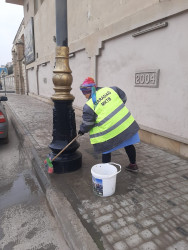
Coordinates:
column 80, row 132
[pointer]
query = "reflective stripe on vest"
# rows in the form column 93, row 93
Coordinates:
column 112, row 116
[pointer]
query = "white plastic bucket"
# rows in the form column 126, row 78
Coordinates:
column 104, row 178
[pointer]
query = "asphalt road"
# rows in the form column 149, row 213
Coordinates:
column 25, row 219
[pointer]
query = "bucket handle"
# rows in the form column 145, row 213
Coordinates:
column 113, row 163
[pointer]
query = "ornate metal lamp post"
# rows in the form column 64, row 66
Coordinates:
column 64, row 125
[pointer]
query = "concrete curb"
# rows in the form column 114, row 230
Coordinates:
column 70, row 225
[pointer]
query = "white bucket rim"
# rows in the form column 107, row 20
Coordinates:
column 106, row 176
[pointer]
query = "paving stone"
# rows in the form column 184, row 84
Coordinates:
column 172, row 203
column 89, row 205
column 106, row 244
column 141, row 215
column 155, row 230
column 129, row 200
column 182, row 167
column 134, row 240
column 148, row 246
column 133, row 228
column 158, row 218
column 185, row 196
column 130, row 219
column 112, row 199
column 162, row 206
column 180, row 245
column 95, row 213
column 168, row 239
column 164, row 228
column 178, row 220
column 160, row 243
column 160, row 191
column 147, row 223
column 106, row 229
column 146, row 234
column 123, row 211
column 184, row 216
column 102, row 210
column 120, row 245
column 144, row 204
column 115, row 225
column 124, row 232
column 182, row 163
column 115, row 236
column 179, row 200
column 109, row 208
column 177, row 211
column 172, row 176
column 122, row 222
column 160, row 179
column 176, row 236
column 182, row 231
column 82, row 211
column 104, row 219
column 85, row 216
column 116, row 205
column 138, row 225
column 169, row 196
column 118, row 214
column 172, row 223
column 110, row 239
column 184, row 207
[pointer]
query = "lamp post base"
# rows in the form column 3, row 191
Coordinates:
column 64, row 131
column 67, row 162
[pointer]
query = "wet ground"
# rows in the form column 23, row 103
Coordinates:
column 25, row 219
column 149, row 210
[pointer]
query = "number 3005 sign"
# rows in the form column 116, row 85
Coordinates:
column 149, row 78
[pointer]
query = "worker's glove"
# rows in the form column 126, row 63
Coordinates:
column 80, row 132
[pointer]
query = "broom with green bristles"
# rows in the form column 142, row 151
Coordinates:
column 48, row 161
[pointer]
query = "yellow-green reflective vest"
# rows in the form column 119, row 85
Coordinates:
column 112, row 116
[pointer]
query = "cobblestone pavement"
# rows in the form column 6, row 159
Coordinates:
column 148, row 211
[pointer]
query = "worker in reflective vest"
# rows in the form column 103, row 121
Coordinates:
column 109, row 122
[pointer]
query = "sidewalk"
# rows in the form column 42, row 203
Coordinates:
column 149, row 209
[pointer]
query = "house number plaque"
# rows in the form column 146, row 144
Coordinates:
column 147, row 78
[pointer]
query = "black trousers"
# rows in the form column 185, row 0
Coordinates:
column 131, row 153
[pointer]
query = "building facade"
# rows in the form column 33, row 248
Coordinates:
column 18, row 59
column 139, row 46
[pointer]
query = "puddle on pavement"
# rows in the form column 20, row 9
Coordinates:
column 23, row 189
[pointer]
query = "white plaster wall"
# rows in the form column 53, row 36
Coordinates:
column 45, row 29
column 32, row 81
column 90, row 16
column 164, row 108
column 80, row 66
column 45, row 74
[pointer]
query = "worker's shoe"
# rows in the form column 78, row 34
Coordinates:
column 132, row 167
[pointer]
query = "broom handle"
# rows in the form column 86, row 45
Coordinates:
column 65, row 148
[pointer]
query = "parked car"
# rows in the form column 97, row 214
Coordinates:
column 3, row 121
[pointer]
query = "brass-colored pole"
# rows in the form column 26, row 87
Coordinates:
column 62, row 77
